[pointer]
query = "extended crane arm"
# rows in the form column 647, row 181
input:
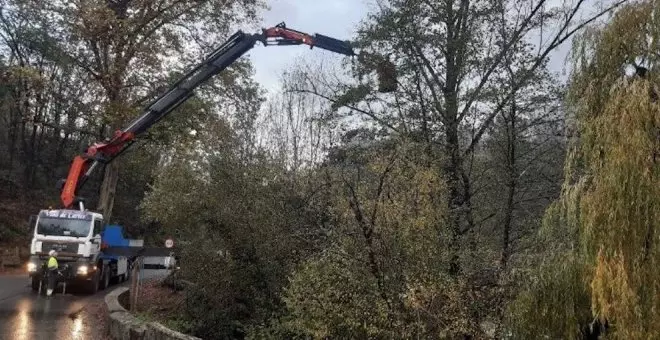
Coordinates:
column 225, row 55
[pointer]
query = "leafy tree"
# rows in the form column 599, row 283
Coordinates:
column 608, row 210
column 240, row 225
column 463, row 67
column 447, row 54
column 384, row 273
column 122, row 48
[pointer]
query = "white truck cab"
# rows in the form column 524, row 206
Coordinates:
column 72, row 233
column 76, row 235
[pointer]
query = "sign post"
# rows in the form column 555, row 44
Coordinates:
column 134, row 284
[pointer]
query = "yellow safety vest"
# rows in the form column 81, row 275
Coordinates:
column 52, row 263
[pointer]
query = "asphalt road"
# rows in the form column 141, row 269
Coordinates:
column 26, row 315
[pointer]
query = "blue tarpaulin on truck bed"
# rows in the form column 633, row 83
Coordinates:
column 118, row 245
column 113, row 236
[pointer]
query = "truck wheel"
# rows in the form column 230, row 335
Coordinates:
column 36, row 282
column 93, row 285
column 105, row 282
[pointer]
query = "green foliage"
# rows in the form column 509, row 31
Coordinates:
column 621, row 211
column 184, row 326
column 609, row 209
column 240, row 227
column 335, row 296
column 75, row 72
column 556, row 304
column 385, row 274
column 365, row 244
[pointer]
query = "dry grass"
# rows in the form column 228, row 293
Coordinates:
column 159, row 303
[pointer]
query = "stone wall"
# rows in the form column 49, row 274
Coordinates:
column 122, row 325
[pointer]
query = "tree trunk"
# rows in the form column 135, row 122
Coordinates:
column 111, row 171
column 108, row 188
column 13, row 136
column 469, row 213
column 454, row 163
column 512, row 175
column 455, row 201
column 30, row 158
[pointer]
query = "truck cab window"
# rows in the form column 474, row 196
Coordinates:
column 97, row 227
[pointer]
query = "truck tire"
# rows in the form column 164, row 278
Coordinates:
column 105, row 280
column 93, row 284
column 129, row 271
column 114, row 278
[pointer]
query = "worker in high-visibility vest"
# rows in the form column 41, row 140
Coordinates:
column 52, row 271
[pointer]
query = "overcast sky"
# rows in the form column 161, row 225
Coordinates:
column 336, row 18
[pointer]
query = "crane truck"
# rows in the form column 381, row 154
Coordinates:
column 86, row 254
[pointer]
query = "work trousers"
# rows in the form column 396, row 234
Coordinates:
column 52, row 278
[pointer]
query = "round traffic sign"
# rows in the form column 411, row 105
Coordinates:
column 169, row 243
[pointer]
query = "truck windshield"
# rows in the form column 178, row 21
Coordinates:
column 63, row 227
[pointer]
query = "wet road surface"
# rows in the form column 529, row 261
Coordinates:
column 25, row 315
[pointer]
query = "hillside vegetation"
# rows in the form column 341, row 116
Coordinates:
column 486, row 198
